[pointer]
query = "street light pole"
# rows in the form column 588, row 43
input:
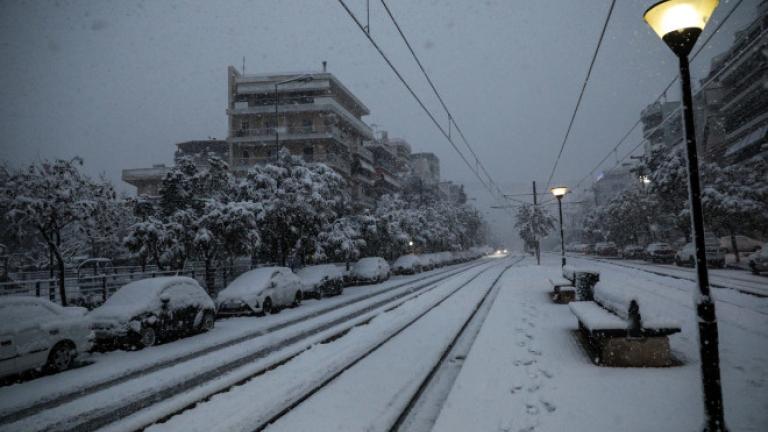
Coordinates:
column 679, row 23
column 559, row 192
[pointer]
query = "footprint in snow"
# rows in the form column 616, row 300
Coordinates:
column 546, row 373
column 515, row 389
column 534, row 351
column 549, row 406
column 529, row 336
column 531, row 409
column 534, row 387
column 521, row 343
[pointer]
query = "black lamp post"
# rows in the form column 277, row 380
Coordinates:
column 559, row 192
column 302, row 78
column 679, row 23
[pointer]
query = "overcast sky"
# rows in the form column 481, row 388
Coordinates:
column 119, row 82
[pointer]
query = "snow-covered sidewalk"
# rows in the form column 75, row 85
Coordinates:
column 526, row 371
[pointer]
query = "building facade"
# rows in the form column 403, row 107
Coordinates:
column 426, row 167
column 311, row 114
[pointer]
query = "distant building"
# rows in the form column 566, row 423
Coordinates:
column 658, row 133
column 613, row 182
column 315, row 116
column 452, row 192
column 738, row 115
column 149, row 180
column 426, row 167
column 385, row 163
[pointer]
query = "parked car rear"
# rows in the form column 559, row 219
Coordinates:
column 633, row 252
column 321, row 280
column 715, row 257
column 147, row 311
column 260, row 291
column 606, row 249
column 407, row 264
column 758, row 261
column 660, row 252
column 36, row 333
column 370, row 270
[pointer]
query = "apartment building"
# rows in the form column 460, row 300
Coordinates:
column 148, row 180
column 662, row 126
column 426, row 167
column 311, row 114
column 739, row 113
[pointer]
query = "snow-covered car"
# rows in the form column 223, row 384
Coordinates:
column 606, row 249
column 743, row 243
column 758, row 261
column 407, row 264
column 715, row 257
column 633, row 252
column 146, row 311
column 446, row 258
column 321, row 280
column 660, row 252
column 370, row 270
column 36, row 333
column 259, row 291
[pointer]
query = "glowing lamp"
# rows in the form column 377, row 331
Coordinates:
column 680, row 22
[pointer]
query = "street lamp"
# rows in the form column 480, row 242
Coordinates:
column 302, row 78
column 559, row 192
column 679, row 24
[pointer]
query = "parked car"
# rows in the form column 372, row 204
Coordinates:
column 633, row 252
column 429, row 260
column 263, row 290
column 321, row 280
column 36, row 333
column 370, row 270
column 744, row 243
column 588, row 249
column 606, row 249
column 407, row 264
column 660, row 252
column 147, row 311
column 715, row 257
column 758, row 261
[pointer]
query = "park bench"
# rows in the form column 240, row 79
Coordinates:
column 576, row 283
column 616, row 334
column 563, row 291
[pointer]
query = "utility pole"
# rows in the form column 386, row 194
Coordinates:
column 533, row 228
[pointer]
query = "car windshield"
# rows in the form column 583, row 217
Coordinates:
column 422, row 215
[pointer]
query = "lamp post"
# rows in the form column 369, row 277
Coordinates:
column 679, row 24
column 302, row 78
column 559, row 192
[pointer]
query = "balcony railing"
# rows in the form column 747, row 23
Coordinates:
column 287, row 131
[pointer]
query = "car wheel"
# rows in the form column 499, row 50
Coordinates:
column 297, row 299
column 691, row 262
column 266, row 308
column 753, row 268
column 147, row 336
column 60, row 357
column 678, row 262
column 208, row 322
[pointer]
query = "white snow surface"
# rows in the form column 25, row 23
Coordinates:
column 527, row 371
column 312, row 276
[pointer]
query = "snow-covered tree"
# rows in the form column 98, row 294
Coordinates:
column 533, row 222
column 49, row 197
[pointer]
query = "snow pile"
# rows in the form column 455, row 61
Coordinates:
column 312, row 276
column 406, row 262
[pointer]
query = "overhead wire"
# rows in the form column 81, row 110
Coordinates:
column 662, row 94
column 581, row 93
column 418, row 99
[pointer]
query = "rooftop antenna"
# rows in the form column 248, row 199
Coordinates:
column 325, row 66
column 243, row 65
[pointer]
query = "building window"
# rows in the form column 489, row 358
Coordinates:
column 245, row 154
column 244, row 125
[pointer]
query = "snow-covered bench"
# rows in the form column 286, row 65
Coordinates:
column 583, row 280
column 562, row 290
column 616, row 332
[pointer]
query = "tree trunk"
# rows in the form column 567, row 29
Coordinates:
column 734, row 245
column 209, row 277
column 60, row 265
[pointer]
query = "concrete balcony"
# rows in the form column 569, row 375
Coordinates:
column 319, row 104
column 142, row 175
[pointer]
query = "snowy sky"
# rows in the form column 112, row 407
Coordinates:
column 119, row 82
